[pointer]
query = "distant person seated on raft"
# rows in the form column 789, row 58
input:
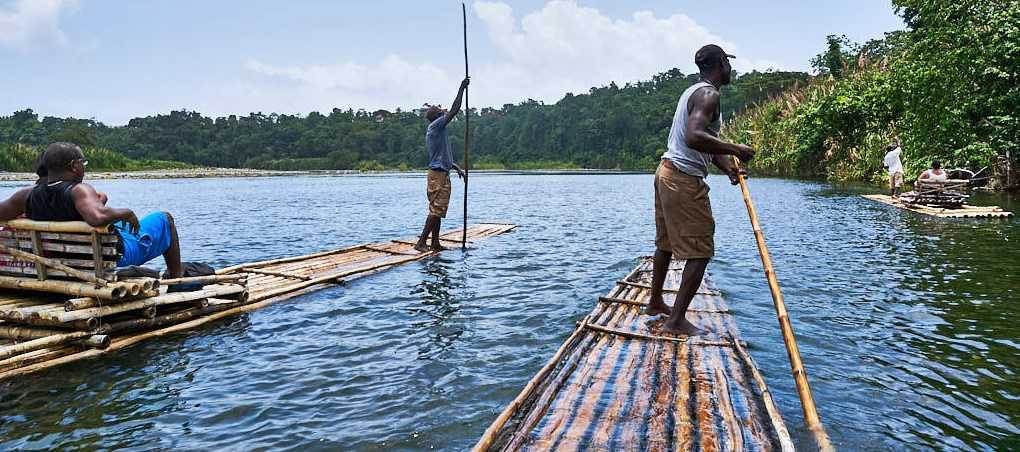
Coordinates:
column 934, row 175
column 64, row 197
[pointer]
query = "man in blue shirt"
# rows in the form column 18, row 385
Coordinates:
column 437, row 143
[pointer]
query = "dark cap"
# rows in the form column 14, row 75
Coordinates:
column 709, row 55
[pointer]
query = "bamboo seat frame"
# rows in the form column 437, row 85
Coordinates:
column 45, row 250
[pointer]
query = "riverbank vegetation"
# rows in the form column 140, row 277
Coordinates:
column 608, row 127
column 948, row 86
column 22, row 158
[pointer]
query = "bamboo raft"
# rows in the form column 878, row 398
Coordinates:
column 619, row 383
column 40, row 330
column 965, row 211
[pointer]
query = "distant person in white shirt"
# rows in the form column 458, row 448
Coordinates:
column 934, row 174
column 895, row 166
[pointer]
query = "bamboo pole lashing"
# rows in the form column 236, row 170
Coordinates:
column 811, row 417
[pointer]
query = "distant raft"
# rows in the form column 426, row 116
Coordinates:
column 619, row 383
column 964, row 211
column 57, row 320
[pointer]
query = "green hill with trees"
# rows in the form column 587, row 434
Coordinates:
column 948, row 86
column 607, row 127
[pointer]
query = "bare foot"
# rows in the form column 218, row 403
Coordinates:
column 438, row 247
column 421, row 248
column 656, row 308
column 685, row 328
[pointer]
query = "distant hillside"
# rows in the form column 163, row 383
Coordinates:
column 607, row 127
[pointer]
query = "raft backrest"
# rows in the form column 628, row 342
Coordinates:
column 72, row 243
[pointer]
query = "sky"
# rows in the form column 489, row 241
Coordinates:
column 116, row 60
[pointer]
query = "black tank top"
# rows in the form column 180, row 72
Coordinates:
column 52, row 202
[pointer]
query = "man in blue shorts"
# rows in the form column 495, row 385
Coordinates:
column 64, row 197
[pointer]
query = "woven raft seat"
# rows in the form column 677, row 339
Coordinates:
column 94, row 250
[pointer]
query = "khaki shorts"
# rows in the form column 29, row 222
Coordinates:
column 683, row 214
column 438, row 193
column 895, row 180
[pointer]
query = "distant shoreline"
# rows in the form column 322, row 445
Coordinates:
column 202, row 173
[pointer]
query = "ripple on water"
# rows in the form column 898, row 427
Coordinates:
column 906, row 324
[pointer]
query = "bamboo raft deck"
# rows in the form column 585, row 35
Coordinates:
column 618, row 383
column 43, row 330
column 967, row 211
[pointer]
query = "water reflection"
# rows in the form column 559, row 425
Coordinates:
column 440, row 296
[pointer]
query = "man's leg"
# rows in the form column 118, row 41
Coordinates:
column 660, row 266
column 436, row 244
column 660, row 263
column 430, row 223
column 892, row 186
column 172, row 256
column 694, row 272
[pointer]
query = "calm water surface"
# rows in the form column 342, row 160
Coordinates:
column 908, row 325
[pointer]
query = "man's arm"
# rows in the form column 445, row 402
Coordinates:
column 726, row 165
column 460, row 171
column 14, row 206
column 91, row 208
column 704, row 107
column 455, row 107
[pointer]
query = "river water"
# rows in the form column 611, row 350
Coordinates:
column 908, row 325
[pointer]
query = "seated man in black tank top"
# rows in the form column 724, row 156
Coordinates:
column 64, row 197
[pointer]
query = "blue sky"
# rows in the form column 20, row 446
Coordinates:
column 114, row 60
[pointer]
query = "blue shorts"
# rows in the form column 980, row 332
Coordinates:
column 152, row 240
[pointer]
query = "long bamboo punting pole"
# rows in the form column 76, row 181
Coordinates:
column 467, row 130
column 807, row 400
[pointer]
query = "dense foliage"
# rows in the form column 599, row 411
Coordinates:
column 607, row 127
column 22, row 158
column 948, row 86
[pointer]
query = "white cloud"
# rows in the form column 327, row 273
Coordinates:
column 392, row 82
column 565, row 47
column 562, row 47
column 29, row 23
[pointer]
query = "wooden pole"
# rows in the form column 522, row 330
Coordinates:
column 467, row 129
column 807, row 400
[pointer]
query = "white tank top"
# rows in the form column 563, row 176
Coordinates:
column 678, row 153
column 932, row 177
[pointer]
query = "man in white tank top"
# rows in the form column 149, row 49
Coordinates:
column 684, row 226
column 935, row 174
